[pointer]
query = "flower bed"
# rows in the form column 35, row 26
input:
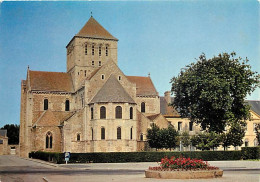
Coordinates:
column 183, row 168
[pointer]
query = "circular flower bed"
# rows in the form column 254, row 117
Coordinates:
column 183, row 168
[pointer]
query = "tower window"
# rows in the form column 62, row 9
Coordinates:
column 49, row 140
column 106, row 51
column 131, row 133
column 92, row 134
column 93, row 63
column 103, row 133
column 67, row 105
column 92, row 112
column 141, row 137
column 86, row 49
column 102, row 77
column 131, row 113
column 93, row 50
column 119, row 77
column 118, row 131
column 99, row 63
column 85, row 73
column 99, row 50
column 45, row 104
column 142, row 107
column 103, row 112
column 78, row 137
column 118, row 112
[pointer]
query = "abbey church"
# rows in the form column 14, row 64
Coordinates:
column 93, row 106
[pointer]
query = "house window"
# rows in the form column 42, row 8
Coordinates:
column 99, row 63
column 254, row 127
column 179, row 126
column 246, row 142
column 118, row 131
column 102, row 112
column 92, row 112
column 86, row 49
column 141, row 137
column 102, row 77
column 92, row 134
column 118, row 112
column 131, row 133
column 93, row 63
column 103, row 133
column 106, row 51
column 131, row 113
column 78, row 137
column 48, row 140
column 67, row 105
column 93, row 50
column 255, row 142
column 190, row 126
column 45, row 103
column 142, row 107
column 99, row 50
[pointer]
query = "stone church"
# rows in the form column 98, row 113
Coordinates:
column 93, row 107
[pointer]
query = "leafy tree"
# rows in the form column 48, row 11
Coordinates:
column 171, row 137
column 205, row 141
column 237, row 133
column 12, row 133
column 185, row 139
column 153, row 137
column 225, row 139
column 211, row 92
column 257, row 131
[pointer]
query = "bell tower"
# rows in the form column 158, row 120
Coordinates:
column 88, row 50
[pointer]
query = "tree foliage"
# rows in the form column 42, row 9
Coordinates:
column 185, row 139
column 12, row 133
column 206, row 141
column 257, row 131
column 211, row 92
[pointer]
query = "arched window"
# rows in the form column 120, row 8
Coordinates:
column 78, row 137
column 131, row 113
column 93, row 49
column 103, row 112
column 142, row 107
column 118, row 133
column 118, row 112
column 131, row 133
column 92, row 134
column 86, row 49
column 48, row 140
column 67, row 105
column 45, row 104
column 92, row 113
column 99, row 50
column 106, row 50
column 103, row 133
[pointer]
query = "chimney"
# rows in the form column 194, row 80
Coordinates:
column 167, row 96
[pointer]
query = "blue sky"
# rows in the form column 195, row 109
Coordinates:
column 156, row 37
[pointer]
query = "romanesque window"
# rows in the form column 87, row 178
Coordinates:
column 93, row 50
column 48, row 140
column 190, row 126
column 67, row 105
column 142, row 107
column 179, row 126
column 85, row 73
column 119, row 77
column 131, row 133
column 78, row 137
column 118, row 133
column 103, row 112
column 92, row 112
column 106, row 51
column 131, row 112
column 141, row 137
column 86, row 49
column 99, row 63
column 118, row 112
column 93, row 63
column 99, row 50
column 92, row 134
column 45, row 103
column 102, row 77
column 103, row 133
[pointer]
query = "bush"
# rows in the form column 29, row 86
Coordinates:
column 250, row 153
column 121, row 157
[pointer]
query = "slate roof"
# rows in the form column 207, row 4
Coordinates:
column 3, row 133
column 255, row 105
column 50, row 81
column 94, row 30
column 112, row 91
column 166, row 109
column 144, row 85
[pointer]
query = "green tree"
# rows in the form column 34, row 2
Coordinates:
column 211, row 92
column 171, row 138
column 12, row 133
column 154, row 137
column 185, row 139
column 206, row 141
column 236, row 134
column 257, row 131
column 225, row 139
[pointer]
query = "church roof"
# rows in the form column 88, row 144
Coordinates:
column 112, row 91
column 153, row 117
column 166, row 109
column 144, row 85
column 254, row 105
column 94, row 30
column 3, row 132
column 50, row 81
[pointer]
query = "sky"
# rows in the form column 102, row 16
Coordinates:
column 155, row 37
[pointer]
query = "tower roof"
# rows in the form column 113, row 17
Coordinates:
column 93, row 29
column 112, row 91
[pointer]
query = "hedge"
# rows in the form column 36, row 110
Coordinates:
column 121, row 157
column 250, row 153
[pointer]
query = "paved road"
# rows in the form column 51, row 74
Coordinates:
column 15, row 169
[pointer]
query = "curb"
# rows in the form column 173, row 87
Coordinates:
column 41, row 162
